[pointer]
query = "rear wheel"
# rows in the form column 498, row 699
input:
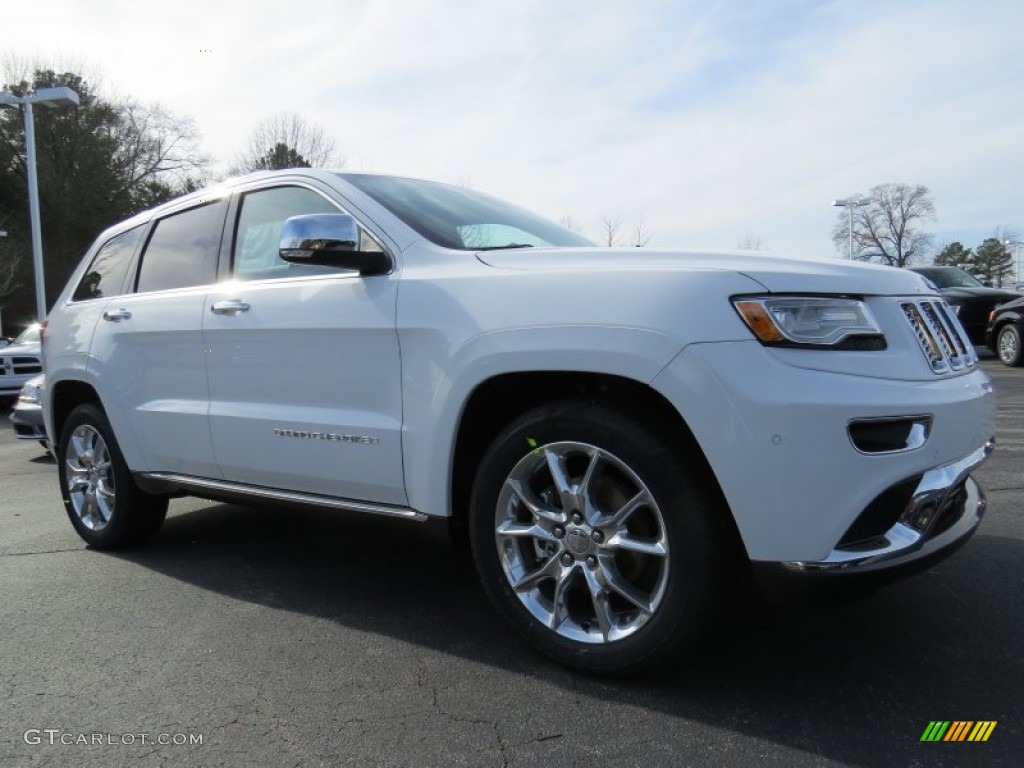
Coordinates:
column 103, row 503
column 597, row 538
column 1008, row 345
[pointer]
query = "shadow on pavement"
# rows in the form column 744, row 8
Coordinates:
column 834, row 681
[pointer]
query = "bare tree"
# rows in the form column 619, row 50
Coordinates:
column 610, row 226
column 154, row 152
column 641, row 236
column 752, row 243
column 156, row 145
column 887, row 230
column 96, row 164
column 286, row 141
column 570, row 223
column 365, row 163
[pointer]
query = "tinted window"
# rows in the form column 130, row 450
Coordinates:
column 461, row 218
column 105, row 276
column 182, row 251
column 950, row 278
column 30, row 335
column 258, row 237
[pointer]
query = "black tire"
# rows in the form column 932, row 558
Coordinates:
column 684, row 587
column 1008, row 346
column 105, row 517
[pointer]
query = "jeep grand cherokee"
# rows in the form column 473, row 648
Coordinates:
column 615, row 433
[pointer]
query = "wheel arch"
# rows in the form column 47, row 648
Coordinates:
column 1008, row 319
column 67, row 395
column 497, row 401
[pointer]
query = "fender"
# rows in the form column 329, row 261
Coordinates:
column 433, row 413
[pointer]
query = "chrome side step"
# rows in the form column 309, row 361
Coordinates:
column 200, row 486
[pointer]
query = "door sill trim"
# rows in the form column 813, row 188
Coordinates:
column 228, row 491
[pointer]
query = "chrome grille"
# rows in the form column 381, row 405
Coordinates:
column 940, row 335
column 20, row 366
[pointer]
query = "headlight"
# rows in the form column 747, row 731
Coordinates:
column 29, row 395
column 810, row 321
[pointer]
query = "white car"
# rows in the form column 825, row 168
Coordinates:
column 27, row 413
column 617, row 434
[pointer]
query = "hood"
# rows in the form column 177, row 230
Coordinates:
column 776, row 273
column 32, row 349
column 997, row 295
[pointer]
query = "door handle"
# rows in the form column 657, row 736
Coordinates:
column 116, row 315
column 232, row 307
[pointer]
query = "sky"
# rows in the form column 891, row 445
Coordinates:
column 714, row 121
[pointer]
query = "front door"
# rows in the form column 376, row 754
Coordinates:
column 303, row 364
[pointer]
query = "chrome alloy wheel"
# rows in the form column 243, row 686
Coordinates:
column 1007, row 346
column 90, row 477
column 582, row 542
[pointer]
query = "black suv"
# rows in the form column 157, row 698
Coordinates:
column 971, row 300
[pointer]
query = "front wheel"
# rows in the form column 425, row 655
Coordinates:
column 600, row 540
column 1008, row 346
column 105, row 506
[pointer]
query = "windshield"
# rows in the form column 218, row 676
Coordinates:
column 460, row 218
column 29, row 336
column 950, row 277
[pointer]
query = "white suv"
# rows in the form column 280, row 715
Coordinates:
column 616, row 433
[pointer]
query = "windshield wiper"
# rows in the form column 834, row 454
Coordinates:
column 504, row 247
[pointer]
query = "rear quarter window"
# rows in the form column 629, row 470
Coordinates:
column 105, row 276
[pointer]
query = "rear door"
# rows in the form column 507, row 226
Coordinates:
column 303, row 362
column 148, row 349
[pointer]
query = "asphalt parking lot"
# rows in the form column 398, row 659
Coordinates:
column 283, row 638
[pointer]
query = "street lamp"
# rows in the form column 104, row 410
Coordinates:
column 1017, row 244
column 850, row 203
column 45, row 97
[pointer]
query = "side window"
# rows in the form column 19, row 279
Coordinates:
column 182, row 251
column 105, row 276
column 258, row 236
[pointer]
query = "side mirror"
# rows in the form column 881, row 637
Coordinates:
column 331, row 240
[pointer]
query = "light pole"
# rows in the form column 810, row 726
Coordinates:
column 850, row 203
column 3, row 233
column 1016, row 244
column 46, row 97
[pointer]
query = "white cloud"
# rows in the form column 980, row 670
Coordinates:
column 712, row 119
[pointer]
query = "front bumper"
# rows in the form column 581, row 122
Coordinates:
column 943, row 511
column 28, row 422
column 802, row 485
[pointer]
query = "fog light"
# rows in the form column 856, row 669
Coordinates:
column 923, row 517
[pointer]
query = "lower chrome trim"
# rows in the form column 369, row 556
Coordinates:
column 912, row 536
column 202, row 485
